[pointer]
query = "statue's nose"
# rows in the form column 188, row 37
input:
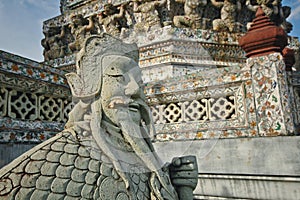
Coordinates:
column 132, row 87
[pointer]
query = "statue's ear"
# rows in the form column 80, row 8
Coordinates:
column 87, row 82
column 75, row 83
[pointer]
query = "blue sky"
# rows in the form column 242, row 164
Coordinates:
column 21, row 24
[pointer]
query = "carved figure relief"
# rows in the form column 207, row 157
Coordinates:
column 80, row 29
column 113, row 19
column 149, row 16
column 193, row 12
column 229, row 9
column 274, row 10
column 53, row 43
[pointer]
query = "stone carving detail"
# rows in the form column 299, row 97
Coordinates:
column 22, row 105
column 125, row 19
column 148, row 15
column 194, row 110
column 274, row 10
column 80, row 29
column 54, row 43
column 228, row 13
column 105, row 151
column 112, row 19
column 193, row 10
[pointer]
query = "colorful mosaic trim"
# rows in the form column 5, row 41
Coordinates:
column 24, row 84
column 196, row 81
column 205, row 135
column 13, row 130
column 28, row 62
column 32, row 72
column 190, row 52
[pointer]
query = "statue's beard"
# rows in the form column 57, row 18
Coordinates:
column 127, row 119
column 122, row 106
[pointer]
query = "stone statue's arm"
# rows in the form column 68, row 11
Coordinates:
column 90, row 26
column 161, row 3
column 135, row 6
column 276, row 6
column 203, row 2
column 180, row 1
column 121, row 13
column 62, row 33
column 217, row 4
column 251, row 7
column 239, row 5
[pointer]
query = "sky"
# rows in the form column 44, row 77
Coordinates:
column 21, row 24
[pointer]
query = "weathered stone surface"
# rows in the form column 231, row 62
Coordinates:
column 58, row 146
column 29, row 180
column 91, row 178
column 54, row 156
column 44, row 182
column 64, row 171
column 82, row 151
column 82, row 163
column 78, row 175
column 39, row 155
column 34, row 166
column 94, row 165
column 67, row 159
column 74, row 188
column 71, row 148
column 39, row 194
column 59, row 185
column 88, row 191
column 49, row 169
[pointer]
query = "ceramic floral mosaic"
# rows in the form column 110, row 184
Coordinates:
column 271, row 95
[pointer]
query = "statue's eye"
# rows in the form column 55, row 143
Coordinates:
column 118, row 77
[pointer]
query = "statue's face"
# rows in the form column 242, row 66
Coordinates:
column 121, row 86
column 193, row 3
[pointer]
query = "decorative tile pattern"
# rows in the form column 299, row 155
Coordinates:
column 31, row 70
column 34, row 100
column 197, row 107
column 31, row 106
column 271, row 95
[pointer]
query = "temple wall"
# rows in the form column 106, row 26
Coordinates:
column 250, row 168
column 34, row 104
column 10, row 151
